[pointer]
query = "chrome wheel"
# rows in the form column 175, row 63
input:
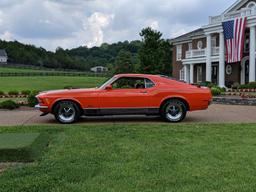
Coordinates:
column 174, row 110
column 66, row 112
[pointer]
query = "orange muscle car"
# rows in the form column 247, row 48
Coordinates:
column 127, row 94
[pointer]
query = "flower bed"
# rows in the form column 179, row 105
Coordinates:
column 13, row 96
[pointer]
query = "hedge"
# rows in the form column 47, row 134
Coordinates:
column 251, row 85
column 9, row 104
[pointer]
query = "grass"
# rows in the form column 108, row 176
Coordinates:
column 47, row 83
column 155, row 157
column 20, row 70
column 23, row 147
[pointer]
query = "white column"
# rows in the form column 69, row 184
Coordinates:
column 252, row 54
column 222, row 61
column 208, row 58
column 191, row 73
column 187, row 73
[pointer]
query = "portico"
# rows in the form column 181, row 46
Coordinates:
column 206, row 49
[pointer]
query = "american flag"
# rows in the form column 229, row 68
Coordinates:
column 234, row 31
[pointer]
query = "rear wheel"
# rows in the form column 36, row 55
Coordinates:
column 67, row 112
column 174, row 111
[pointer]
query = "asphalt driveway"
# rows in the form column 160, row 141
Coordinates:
column 215, row 114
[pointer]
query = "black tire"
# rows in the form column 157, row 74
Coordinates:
column 67, row 112
column 174, row 111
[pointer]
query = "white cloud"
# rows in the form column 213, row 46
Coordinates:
column 95, row 25
column 7, row 36
column 72, row 23
column 154, row 25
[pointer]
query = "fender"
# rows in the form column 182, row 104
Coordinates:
column 63, row 99
column 175, row 97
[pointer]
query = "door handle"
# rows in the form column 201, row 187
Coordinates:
column 143, row 92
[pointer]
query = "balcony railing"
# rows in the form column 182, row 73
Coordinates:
column 241, row 13
column 196, row 53
column 215, row 51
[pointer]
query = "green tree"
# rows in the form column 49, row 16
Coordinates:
column 155, row 53
column 166, row 58
column 123, row 62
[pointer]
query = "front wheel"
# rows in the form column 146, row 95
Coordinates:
column 174, row 111
column 67, row 112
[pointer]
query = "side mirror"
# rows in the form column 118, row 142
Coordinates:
column 109, row 87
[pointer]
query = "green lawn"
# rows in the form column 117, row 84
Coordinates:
column 19, row 70
column 14, row 141
column 150, row 157
column 21, row 147
column 47, row 83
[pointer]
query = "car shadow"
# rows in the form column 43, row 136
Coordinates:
column 123, row 119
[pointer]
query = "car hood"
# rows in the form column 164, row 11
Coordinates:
column 65, row 91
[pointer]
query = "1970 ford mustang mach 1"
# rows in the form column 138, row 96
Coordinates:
column 127, row 94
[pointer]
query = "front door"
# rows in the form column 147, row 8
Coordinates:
column 215, row 74
column 199, row 74
column 127, row 96
column 247, row 71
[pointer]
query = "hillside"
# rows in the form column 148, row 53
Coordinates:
column 81, row 58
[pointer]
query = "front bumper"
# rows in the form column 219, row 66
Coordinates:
column 40, row 107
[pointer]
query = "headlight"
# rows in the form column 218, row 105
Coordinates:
column 40, row 100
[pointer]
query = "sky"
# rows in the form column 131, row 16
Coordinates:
column 73, row 23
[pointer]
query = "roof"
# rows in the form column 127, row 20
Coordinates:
column 235, row 5
column 98, row 67
column 3, row 53
column 188, row 36
column 135, row 75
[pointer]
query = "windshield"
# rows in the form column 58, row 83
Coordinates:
column 108, row 82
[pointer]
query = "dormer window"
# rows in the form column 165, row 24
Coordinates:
column 251, row 5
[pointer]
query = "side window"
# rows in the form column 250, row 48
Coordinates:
column 214, row 42
column 190, row 46
column 182, row 74
column 129, row 83
column 149, row 83
column 247, row 43
column 179, row 52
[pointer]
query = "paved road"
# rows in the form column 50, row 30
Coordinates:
column 215, row 114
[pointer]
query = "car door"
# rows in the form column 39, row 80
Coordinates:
column 126, row 99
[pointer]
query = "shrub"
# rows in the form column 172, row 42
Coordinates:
column 13, row 93
column 32, row 101
column 68, row 87
column 251, row 85
column 236, row 85
column 208, row 84
column 9, row 104
column 223, row 89
column 25, row 92
column 215, row 91
column 1, row 93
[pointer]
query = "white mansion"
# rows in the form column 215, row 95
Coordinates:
column 199, row 55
